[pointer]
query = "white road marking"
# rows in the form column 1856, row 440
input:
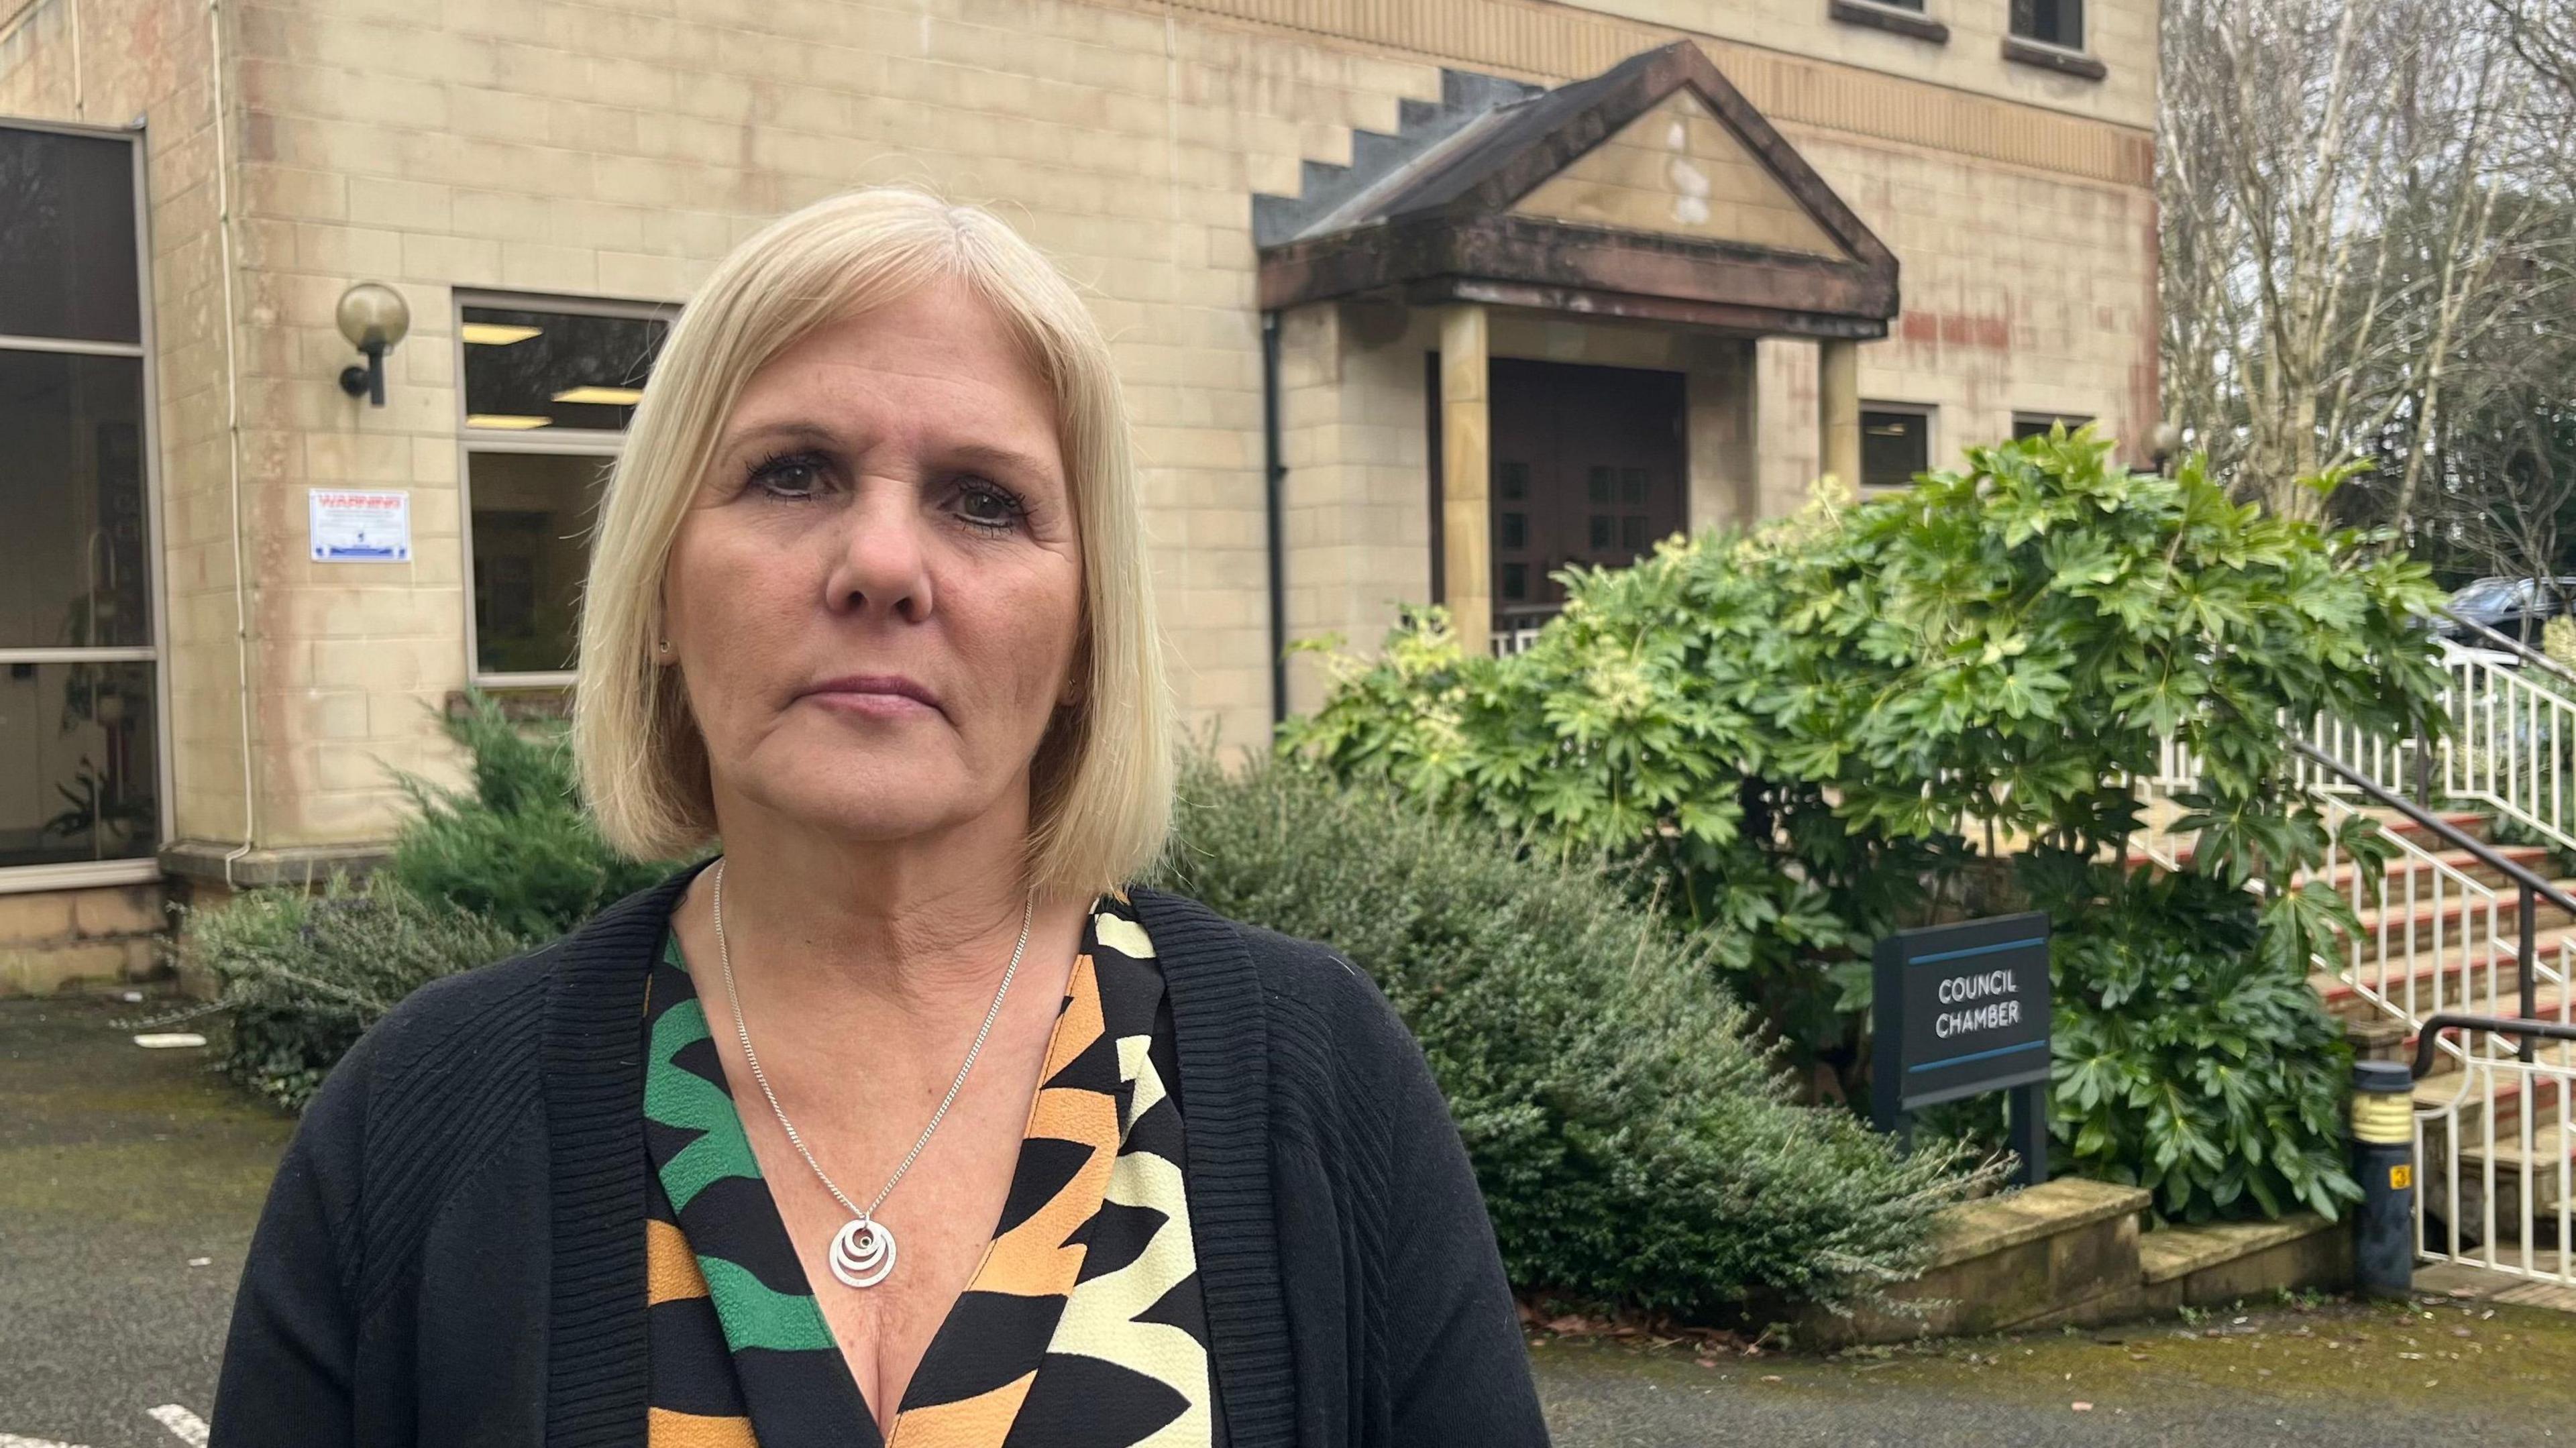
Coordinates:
column 187, row 1427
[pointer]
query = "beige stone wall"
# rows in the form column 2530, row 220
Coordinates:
column 2024, row 292
column 564, row 149
column 616, row 150
column 57, row 938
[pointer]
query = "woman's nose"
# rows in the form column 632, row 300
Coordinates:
column 882, row 564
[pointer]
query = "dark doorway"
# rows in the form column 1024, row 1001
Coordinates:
column 1589, row 468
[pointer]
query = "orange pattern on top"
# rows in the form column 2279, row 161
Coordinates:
column 1033, row 1258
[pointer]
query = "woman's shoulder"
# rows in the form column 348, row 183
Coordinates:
column 447, row 1049
column 1314, row 1001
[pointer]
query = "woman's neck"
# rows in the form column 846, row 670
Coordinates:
column 825, row 929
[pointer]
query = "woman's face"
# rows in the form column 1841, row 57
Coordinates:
column 877, row 591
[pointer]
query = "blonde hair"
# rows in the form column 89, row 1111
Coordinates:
column 1101, row 781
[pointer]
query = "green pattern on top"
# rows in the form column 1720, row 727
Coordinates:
column 677, row 1096
column 755, row 1314
column 752, row 1313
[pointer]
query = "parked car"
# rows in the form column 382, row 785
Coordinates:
column 2514, row 607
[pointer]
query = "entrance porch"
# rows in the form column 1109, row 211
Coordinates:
column 1539, row 329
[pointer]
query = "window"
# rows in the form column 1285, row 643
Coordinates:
column 2037, row 424
column 1895, row 444
column 81, row 748
column 549, row 389
column 2050, row 22
column 1897, row 17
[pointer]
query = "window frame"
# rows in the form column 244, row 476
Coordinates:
column 2083, row 28
column 1910, row 18
column 2077, row 60
column 2041, row 421
column 600, row 443
column 79, row 874
column 1930, row 412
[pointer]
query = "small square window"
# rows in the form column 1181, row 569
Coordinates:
column 1596, row 485
column 1632, row 486
column 1515, row 530
column 1512, row 481
column 1632, row 533
column 1600, row 530
column 2037, row 424
column 1516, row 582
column 1894, row 446
column 2051, row 22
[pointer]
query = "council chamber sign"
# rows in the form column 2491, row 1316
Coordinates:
column 1960, row 1010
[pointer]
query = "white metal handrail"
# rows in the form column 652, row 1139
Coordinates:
column 2484, row 1221
column 2512, row 742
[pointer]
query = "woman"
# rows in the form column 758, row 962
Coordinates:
column 900, row 1120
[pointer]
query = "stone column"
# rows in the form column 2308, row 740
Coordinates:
column 1838, row 412
column 1466, row 467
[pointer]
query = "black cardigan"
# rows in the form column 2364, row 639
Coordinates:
column 453, row 1252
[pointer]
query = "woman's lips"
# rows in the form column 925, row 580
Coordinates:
column 875, row 696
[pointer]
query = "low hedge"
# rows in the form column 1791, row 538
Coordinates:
column 303, row 975
column 1633, row 1147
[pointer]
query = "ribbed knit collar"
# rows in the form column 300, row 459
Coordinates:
column 597, row 1364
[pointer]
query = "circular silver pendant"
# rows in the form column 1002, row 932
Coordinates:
column 862, row 1253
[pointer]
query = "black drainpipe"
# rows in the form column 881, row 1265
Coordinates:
column 1275, row 474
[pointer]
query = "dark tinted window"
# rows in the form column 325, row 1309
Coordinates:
column 2059, row 22
column 2037, row 424
column 532, row 519
column 67, row 238
column 530, row 369
column 74, row 562
column 78, row 742
column 1894, row 446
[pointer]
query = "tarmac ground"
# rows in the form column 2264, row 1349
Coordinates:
column 130, row 1180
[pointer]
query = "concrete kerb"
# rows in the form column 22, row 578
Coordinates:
column 2073, row 1253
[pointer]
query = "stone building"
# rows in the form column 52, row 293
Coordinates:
column 1414, row 299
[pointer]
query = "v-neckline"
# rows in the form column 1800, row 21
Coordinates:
column 774, row 1303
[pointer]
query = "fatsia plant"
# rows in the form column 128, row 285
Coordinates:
column 1807, row 735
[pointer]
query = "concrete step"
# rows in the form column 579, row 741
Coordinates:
column 2424, row 874
column 2457, row 974
column 2388, row 929
column 2550, row 1160
column 2547, row 1100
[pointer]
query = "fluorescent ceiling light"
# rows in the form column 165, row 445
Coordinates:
column 612, row 396
column 506, row 421
column 495, row 334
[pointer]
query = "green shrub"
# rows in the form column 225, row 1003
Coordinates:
column 1633, row 1146
column 302, row 974
column 2186, row 1062
column 1808, row 735
column 516, row 847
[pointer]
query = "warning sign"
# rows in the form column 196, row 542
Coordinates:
column 360, row 527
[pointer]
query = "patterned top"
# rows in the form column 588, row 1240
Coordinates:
column 1082, row 1327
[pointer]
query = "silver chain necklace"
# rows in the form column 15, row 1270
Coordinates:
column 862, row 1251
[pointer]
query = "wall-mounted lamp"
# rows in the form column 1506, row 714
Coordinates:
column 373, row 317
column 2164, row 443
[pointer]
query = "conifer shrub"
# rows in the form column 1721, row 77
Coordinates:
column 303, row 974
column 1635, row 1145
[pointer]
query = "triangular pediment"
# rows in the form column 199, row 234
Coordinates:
column 1678, row 170
column 1651, row 190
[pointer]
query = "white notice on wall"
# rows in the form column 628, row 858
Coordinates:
column 355, row 527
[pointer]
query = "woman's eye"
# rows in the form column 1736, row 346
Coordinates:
column 789, row 477
column 989, row 506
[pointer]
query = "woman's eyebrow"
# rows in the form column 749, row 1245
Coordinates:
column 780, row 432
column 996, row 458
